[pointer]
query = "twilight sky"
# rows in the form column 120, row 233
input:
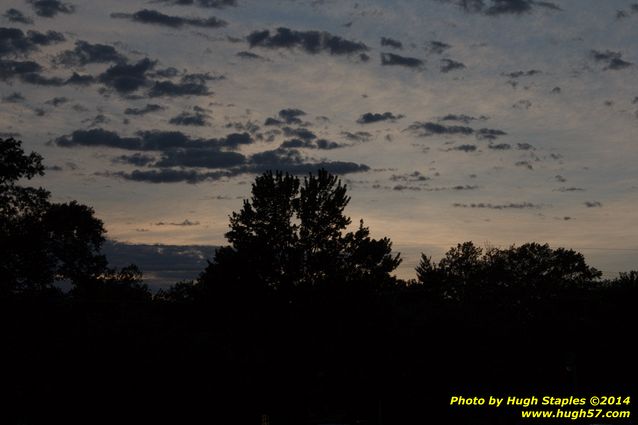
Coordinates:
column 496, row 121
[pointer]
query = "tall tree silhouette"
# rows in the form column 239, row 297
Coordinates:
column 292, row 234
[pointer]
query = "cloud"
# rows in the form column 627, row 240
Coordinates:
column 150, row 107
column 126, row 78
column 248, row 55
column 465, row 148
column 448, row 65
column 14, row 97
column 14, row 15
column 149, row 140
column 522, row 205
column 425, row 129
column 524, row 146
column 316, row 144
column 522, row 104
column 214, row 4
column 437, row 47
column 593, row 204
column 291, row 115
column 137, row 159
column 500, row 146
column 312, row 42
column 430, row 128
column 154, row 17
column 80, row 80
column 85, row 53
column 386, row 41
column 10, row 69
column 186, row 222
column 300, row 133
column 370, row 117
column 188, row 118
column 502, row 7
column 462, row 118
column 393, row 59
column 168, row 88
column 612, row 60
column 359, row 136
column 57, row 101
column 50, row 8
column 14, row 42
column 519, row 74
column 200, row 158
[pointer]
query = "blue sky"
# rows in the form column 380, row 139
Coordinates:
column 500, row 122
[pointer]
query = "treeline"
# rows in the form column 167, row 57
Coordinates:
column 298, row 319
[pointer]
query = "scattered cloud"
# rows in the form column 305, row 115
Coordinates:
column 370, row 117
column 312, row 42
column 154, row 17
column 612, row 60
column 85, row 53
column 50, row 8
column 150, row 107
column 190, row 118
column 517, row 206
column 390, row 42
column 14, row 15
column 593, row 204
column 448, row 65
column 393, row 59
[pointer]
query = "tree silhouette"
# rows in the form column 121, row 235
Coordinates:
column 531, row 271
column 292, row 234
column 42, row 242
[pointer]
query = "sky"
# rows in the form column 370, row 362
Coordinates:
column 496, row 121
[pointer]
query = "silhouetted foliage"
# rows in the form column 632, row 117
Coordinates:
column 293, row 235
column 42, row 243
column 531, row 271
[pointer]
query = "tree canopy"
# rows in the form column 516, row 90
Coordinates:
column 293, row 233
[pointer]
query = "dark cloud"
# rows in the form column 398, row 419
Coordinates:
column 518, row 74
column 149, row 140
column 570, row 189
column 317, row 144
column 593, row 204
column 168, row 175
column 359, row 136
column 300, row 133
column 393, row 59
column 126, row 78
column 489, row 133
column 612, row 60
column 14, row 97
column 150, row 107
column 312, row 42
column 168, row 88
column 500, row 146
column 57, row 101
column 465, row 148
column 154, row 17
column 85, row 53
column 272, row 121
column 560, row 178
column 556, row 90
column 186, row 222
column 189, row 118
column 137, row 159
column 524, row 147
column 50, row 8
column 40, row 80
column 437, row 47
column 462, row 118
column 80, row 80
column 386, row 41
column 10, row 69
column 214, row 4
column 370, row 117
column 430, row 128
column 248, row 55
column 14, row 42
column 524, row 164
column 502, row 7
column 14, row 15
column 522, row 205
column 200, row 158
column 200, row 78
column 448, row 65
column 291, row 116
